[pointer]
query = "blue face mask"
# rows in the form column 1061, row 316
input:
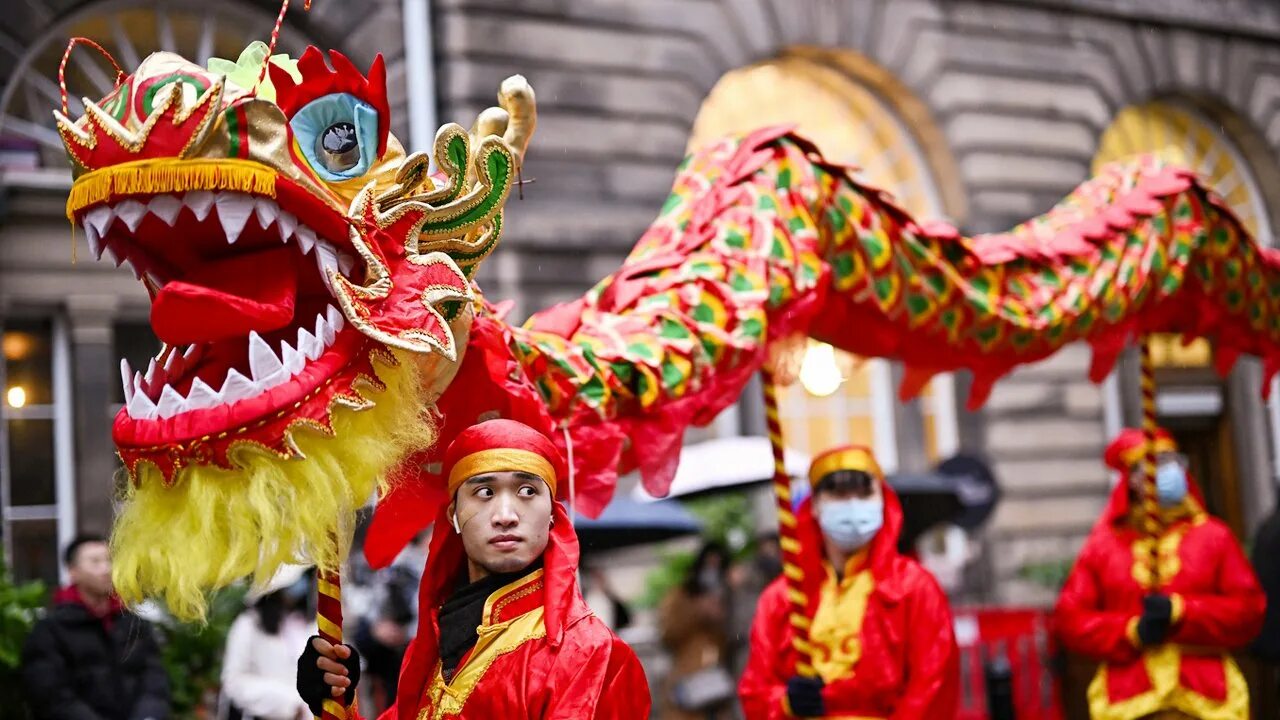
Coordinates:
column 851, row 523
column 1171, row 484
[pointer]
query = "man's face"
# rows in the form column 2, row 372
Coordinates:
column 90, row 569
column 504, row 519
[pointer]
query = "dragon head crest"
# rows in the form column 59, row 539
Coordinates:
column 284, row 236
column 311, row 285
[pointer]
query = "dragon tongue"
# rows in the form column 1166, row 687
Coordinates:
column 227, row 299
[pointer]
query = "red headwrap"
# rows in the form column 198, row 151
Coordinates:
column 502, row 445
column 1129, row 446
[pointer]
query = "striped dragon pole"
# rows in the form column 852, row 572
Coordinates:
column 787, row 533
column 1151, row 525
column 329, row 622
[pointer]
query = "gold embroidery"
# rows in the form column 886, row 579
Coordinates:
column 1166, row 693
column 837, row 625
column 493, row 641
column 1166, row 547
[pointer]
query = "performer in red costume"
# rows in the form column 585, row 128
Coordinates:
column 504, row 632
column 1164, row 648
column 880, row 625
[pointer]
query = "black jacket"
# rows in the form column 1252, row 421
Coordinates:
column 75, row 669
column 1266, row 562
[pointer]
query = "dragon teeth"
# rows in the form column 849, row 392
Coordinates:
column 326, row 263
column 334, row 317
column 100, row 218
column 94, row 239
column 202, row 396
column 171, row 403
column 140, row 407
column 233, row 212
column 131, row 212
column 200, row 201
column 165, row 207
column 126, row 380
column 308, row 344
column 267, row 369
column 306, row 238
column 292, row 360
column 237, row 387
column 266, row 212
column 263, row 363
column 287, row 224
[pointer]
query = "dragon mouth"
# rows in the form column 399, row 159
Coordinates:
column 242, row 298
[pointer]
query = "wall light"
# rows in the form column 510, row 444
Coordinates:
column 16, row 396
column 819, row 372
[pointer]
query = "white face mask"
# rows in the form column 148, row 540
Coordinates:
column 1171, row 483
column 852, row 523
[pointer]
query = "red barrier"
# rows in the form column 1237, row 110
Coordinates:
column 1022, row 636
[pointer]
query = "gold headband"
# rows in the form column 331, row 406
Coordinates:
column 845, row 459
column 1134, row 455
column 501, row 460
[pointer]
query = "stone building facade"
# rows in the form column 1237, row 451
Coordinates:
column 1006, row 103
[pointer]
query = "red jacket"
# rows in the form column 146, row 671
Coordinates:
column 1218, row 606
column 899, row 663
column 540, row 654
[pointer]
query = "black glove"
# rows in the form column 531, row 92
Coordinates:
column 804, row 696
column 311, row 684
column 1157, row 615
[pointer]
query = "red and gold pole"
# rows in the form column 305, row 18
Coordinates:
column 1151, row 525
column 329, row 621
column 791, row 568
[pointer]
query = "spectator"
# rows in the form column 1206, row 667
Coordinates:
column 382, row 633
column 259, row 668
column 89, row 658
column 747, row 580
column 694, row 620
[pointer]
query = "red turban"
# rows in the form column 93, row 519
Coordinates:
column 502, row 446
column 1131, row 444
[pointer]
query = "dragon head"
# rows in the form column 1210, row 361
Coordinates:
column 310, row 283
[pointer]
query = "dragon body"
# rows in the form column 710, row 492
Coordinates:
column 321, row 282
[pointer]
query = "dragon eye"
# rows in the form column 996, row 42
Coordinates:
column 337, row 134
column 337, row 147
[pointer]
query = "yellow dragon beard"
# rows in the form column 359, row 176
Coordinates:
column 214, row 526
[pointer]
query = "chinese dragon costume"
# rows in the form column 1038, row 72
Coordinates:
column 313, row 286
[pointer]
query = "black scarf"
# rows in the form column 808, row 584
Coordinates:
column 463, row 612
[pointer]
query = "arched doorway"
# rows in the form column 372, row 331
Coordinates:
column 855, row 112
column 129, row 30
column 1221, row 424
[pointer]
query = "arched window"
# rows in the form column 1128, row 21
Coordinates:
column 851, row 400
column 129, row 31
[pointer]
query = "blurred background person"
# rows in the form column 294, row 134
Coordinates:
column 748, row 578
column 89, row 658
column 383, row 634
column 693, row 621
column 259, row 668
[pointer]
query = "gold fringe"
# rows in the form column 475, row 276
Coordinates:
column 153, row 177
column 212, row 526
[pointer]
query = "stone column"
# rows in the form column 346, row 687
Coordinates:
column 1249, row 420
column 93, row 368
column 908, row 428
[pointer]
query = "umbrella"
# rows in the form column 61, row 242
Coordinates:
column 726, row 463
column 627, row 522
